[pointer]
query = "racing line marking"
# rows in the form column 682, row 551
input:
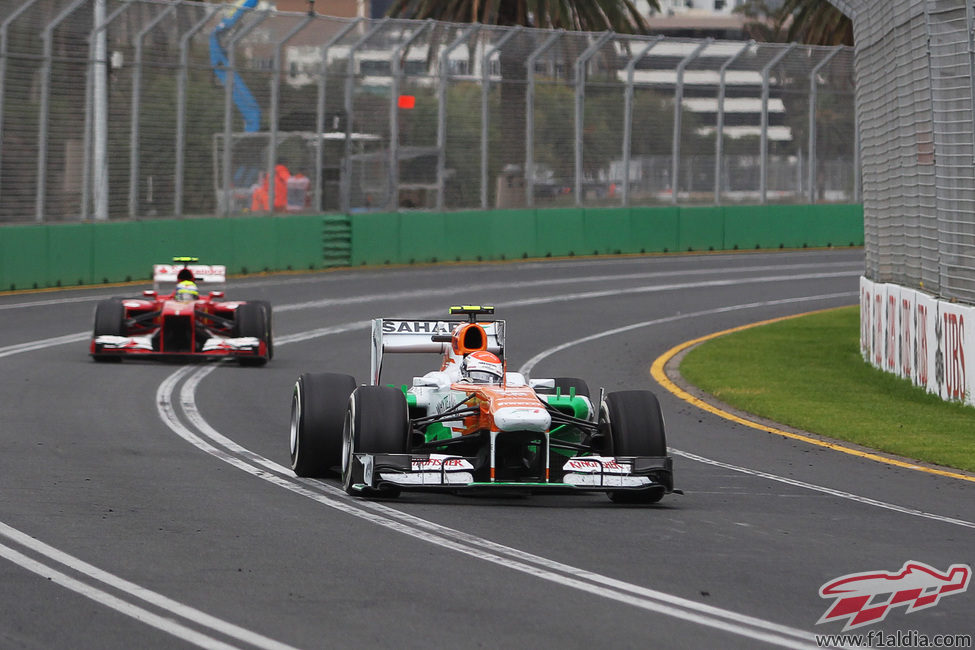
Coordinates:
column 442, row 536
column 658, row 372
column 383, row 515
column 465, row 543
column 164, row 623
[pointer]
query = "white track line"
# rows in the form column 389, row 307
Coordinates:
column 465, row 543
column 131, row 589
column 767, row 631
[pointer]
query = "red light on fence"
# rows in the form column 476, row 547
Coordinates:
column 406, row 102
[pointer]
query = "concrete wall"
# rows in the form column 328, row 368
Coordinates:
column 40, row 256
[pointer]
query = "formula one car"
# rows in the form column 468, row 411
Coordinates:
column 174, row 320
column 473, row 426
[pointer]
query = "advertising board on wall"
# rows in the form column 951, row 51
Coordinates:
column 915, row 336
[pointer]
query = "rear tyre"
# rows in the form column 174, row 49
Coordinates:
column 377, row 421
column 250, row 319
column 109, row 321
column 318, row 405
column 636, row 427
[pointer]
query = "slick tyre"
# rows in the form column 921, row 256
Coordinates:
column 251, row 319
column 318, row 405
column 376, row 421
column 636, row 427
column 266, row 306
column 109, row 321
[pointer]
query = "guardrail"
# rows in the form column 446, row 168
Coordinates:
column 55, row 255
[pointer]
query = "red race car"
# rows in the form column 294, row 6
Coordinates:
column 176, row 320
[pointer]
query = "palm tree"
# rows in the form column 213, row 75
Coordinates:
column 815, row 22
column 579, row 15
column 818, row 22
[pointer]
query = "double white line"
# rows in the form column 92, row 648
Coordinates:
column 177, row 408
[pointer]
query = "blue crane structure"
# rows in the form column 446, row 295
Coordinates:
column 243, row 99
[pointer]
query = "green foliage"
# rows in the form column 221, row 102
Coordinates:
column 575, row 15
column 815, row 22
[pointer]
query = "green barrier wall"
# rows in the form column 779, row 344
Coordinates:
column 39, row 256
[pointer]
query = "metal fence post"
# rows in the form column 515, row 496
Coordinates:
column 678, row 109
column 134, row 134
column 396, row 73
column 970, row 28
column 4, row 28
column 272, row 150
column 442, row 111
column 580, row 99
column 228, row 109
column 345, row 189
column 813, row 98
column 719, row 125
column 628, row 115
column 485, row 112
column 320, row 111
column 530, row 117
column 766, row 71
column 184, row 61
column 48, row 39
column 96, row 117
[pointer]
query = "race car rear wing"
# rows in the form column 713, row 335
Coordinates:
column 214, row 276
column 411, row 335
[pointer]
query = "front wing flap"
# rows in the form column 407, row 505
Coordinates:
column 245, row 346
column 440, row 472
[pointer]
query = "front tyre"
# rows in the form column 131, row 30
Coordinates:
column 636, row 427
column 318, row 405
column 266, row 306
column 251, row 320
column 109, row 321
column 377, row 421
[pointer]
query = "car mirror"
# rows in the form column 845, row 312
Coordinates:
column 149, row 293
column 216, row 294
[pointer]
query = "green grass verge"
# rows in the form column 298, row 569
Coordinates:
column 807, row 373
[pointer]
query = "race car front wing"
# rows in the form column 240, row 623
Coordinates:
column 440, row 472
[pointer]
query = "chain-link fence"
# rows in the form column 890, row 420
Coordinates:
column 915, row 70
column 134, row 108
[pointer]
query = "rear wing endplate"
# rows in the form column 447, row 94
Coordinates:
column 411, row 335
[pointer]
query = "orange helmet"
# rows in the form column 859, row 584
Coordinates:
column 482, row 367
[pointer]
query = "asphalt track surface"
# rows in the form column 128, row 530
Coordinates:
column 150, row 504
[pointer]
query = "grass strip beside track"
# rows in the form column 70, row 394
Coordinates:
column 807, row 373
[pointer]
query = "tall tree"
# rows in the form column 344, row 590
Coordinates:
column 815, row 22
column 580, row 15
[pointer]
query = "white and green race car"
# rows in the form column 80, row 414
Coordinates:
column 473, row 426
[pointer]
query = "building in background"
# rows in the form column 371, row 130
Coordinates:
column 339, row 8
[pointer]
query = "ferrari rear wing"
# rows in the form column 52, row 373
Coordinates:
column 412, row 335
column 202, row 273
column 165, row 276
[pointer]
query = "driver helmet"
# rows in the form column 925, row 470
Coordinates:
column 482, row 367
column 186, row 290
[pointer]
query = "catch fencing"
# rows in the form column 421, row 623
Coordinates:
column 915, row 64
column 138, row 108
